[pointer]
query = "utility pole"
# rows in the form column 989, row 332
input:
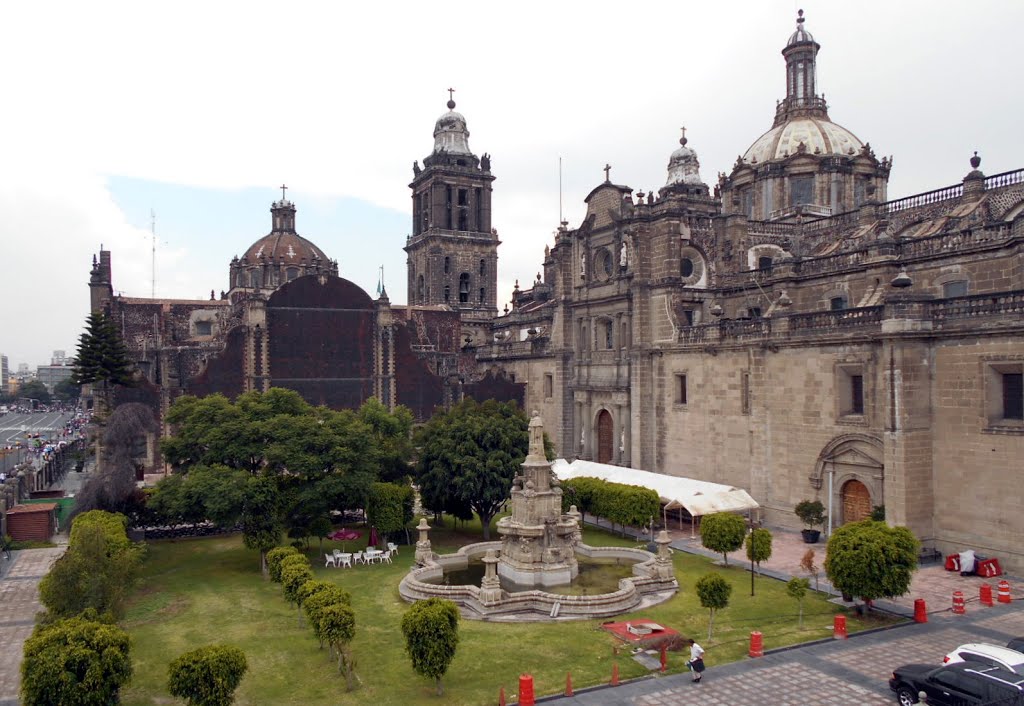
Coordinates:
column 152, row 230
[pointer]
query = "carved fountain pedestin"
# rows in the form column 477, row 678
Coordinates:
column 538, row 541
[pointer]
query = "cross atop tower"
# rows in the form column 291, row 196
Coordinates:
column 682, row 140
column 607, row 173
column 283, row 189
column 451, row 99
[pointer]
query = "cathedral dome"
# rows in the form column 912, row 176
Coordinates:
column 810, row 135
column 289, row 247
column 450, row 132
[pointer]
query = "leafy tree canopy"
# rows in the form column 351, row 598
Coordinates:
column 723, row 532
column 759, row 545
column 207, row 676
column 75, row 662
column 431, row 630
column 470, row 455
column 871, row 560
column 35, row 390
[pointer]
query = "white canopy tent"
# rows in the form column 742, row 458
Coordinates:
column 697, row 497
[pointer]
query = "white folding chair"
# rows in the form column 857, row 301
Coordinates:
column 330, row 560
column 358, row 558
column 386, row 556
column 345, row 560
column 392, row 547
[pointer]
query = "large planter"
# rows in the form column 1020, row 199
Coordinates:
column 811, row 536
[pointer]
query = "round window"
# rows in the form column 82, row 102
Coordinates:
column 606, row 262
column 686, row 267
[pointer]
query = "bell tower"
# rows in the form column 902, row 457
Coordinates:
column 452, row 249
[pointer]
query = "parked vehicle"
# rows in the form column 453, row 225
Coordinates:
column 1016, row 643
column 992, row 655
column 960, row 684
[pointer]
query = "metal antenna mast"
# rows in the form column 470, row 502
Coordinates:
column 559, row 189
column 152, row 230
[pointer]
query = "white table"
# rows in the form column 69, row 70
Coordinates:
column 372, row 554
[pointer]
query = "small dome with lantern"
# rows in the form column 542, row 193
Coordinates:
column 450, row 132
column 683, row 165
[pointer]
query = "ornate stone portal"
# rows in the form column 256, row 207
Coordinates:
column 538, row 540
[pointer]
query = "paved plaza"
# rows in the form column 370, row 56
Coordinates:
column 19, row 603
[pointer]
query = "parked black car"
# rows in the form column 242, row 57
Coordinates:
column 961, row 684
column 1016, row 643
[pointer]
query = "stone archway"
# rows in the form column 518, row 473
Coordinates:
column 855, row 501
column 605, row 437
column 855, row 465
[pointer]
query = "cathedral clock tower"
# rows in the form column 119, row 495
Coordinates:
column 453, row 250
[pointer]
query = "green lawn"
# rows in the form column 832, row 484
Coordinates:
column 197, row 592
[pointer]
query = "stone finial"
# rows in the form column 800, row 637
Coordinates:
column 975, row 160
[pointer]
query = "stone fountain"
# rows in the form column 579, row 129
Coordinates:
column 537, row 540
column 538, row 550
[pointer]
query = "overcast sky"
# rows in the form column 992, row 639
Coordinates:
column 198, row 110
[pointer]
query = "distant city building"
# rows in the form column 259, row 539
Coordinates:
column 5, row 373
column 59, row 358
column 790, row 331
column 52, row 375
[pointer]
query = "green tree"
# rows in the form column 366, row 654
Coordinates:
column 871, row 560
column 66, row 391
column 723, row 532
column 797, row 588
column 292, row 580
column 431, row 630
column 101, row 357
column 337, row 624
column 470, row 455
column 75, row 662
column 317, row 595
column 759, row 546
column 207, row 676
column 98, row 569
column 261, row 525
column 274, row 558
column 713, row 591
column 320, row 527
column 392, row 432
column 35, row 390
column 389, row 506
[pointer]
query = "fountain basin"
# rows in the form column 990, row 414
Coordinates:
column 645, row 586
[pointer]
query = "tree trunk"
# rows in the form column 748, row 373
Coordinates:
column 801, row 624
column 298, row 606
column 487, row 531
column 711, row 621
column 263, row 565
column 440, row 689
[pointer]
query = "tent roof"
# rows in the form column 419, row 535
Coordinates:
column 698, row 497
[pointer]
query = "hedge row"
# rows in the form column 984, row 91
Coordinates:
column 616, row 502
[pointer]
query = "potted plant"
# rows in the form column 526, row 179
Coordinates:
column 812, row 514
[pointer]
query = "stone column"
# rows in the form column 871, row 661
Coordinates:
column 490, row 587
column 424, row 553
column 663, row 563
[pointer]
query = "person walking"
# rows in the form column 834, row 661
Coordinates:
column 696, row 662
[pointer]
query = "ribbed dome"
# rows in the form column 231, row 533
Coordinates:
column 289, row 247
column 450, row 132
column 801, row 35
column 818, row 136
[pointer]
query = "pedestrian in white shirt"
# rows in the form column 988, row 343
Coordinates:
column 696, row 662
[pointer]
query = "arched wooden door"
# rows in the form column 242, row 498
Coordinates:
column 605, row 441
column 856, row 501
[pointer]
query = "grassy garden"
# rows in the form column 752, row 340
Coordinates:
column 197, row 592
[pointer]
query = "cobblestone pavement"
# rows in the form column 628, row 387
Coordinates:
column 19, row 603
column 852, row 672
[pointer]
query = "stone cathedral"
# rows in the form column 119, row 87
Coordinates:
column 789, row 328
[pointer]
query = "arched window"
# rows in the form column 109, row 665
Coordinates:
column 464, row 288
column 483, row 292
column 447, row 265
column 764, row 263
column 686, row 267
column 240, row 279
column 254, row 279
column 292, row 273
column 447, row 293
column 420, row 290
column 483, row 268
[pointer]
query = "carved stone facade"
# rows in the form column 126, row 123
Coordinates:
column 829, row 345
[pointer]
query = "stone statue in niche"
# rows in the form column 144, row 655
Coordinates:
column 583, row 265
column 416, row 168
column 625, row 256
column 485, row 162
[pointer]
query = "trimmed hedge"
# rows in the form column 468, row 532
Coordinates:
column 616, row 502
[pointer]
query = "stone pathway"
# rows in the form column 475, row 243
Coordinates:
column 19, row 603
